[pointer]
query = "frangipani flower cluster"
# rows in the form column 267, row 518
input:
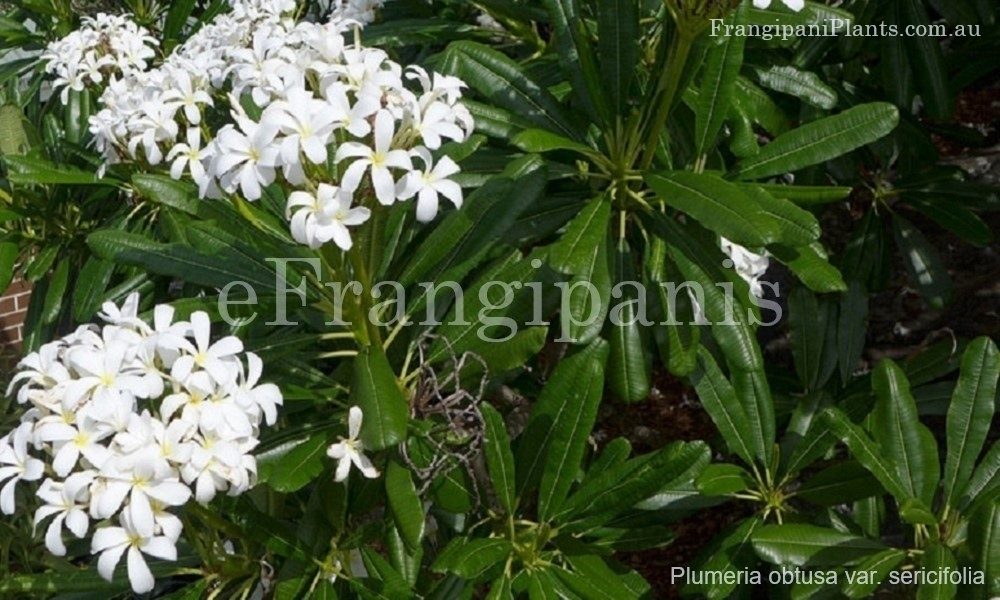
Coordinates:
column 340, row 124
column 105, row 46
column 125, row 422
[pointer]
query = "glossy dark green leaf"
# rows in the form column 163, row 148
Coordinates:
column 376, row 391
column 503, row 81
column 907, row 444
column 576, row 55
column 55, row 293
column 571, row 423
column 723, row 479
column 719, row 400
column 292, row 465
column 472, row 558
column 923, row 263
column 9, row 253
column 499, row 458
column 811, row 266
column 618, row 45
column 871, row 572
column 804, row 85
column 717, row 204
column 91, row 287
column 821, row 140
column 938, row 559
column 969, row 415
column 984, row 545
column 404, row 503
column 865, row 451
column 574, row 253
column 719, row 76
column 809, row 545
column 629, row 367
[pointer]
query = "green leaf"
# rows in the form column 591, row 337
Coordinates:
column 575, row 385
column 938, row 559
column 852, row 329
column 166, row 191
column 969, row 415
column 177, row 16
column 225, row 265
column 985, row 481
column 907, row 444
column 623, row 486
column 923, row 263
column 715, row 96
column 984, row 545
column 8, row 257
column 576, row 55
column 809, row 545
column 471, row 558
column 404, row 503
column 723, row 479
column 570, row 426
column 31, row 170
column 797, row 227
column 618, row 44
column 719, row 400
column 504, row 82
column 916, row 512
column 804, row 195
column 821, row 140
column 955, row 218
column 729, row 552
column 840, row 484
column 13, row 135
column 376, row 391
column 499, row 458
column 717, row 204
column 543, row 140
column 865, row 451
column 811, row 266
column 574, row 253
column 629, row 367
column 292, row 465
column 807, row 325
column 55, row 293
column 926, row 56
column 871, row 572
column 583, row 313
column 804, row 85
column 91, row 285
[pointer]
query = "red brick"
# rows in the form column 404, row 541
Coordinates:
column 7, row 305
column 23, row 300
column 18, row 287
column 12, row 320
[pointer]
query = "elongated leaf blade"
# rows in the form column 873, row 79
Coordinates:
column 969, row 415
column 821, row 141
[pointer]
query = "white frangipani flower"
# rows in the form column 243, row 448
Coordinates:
column 795, row 5
column 112, row 542
column 378, row 158
column 350, row 450
column 316, row 220
column 118, row 448
column 16, row 465
column 428, row 184
column 749, row 266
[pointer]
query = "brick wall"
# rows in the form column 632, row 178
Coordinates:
column 13, row 306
